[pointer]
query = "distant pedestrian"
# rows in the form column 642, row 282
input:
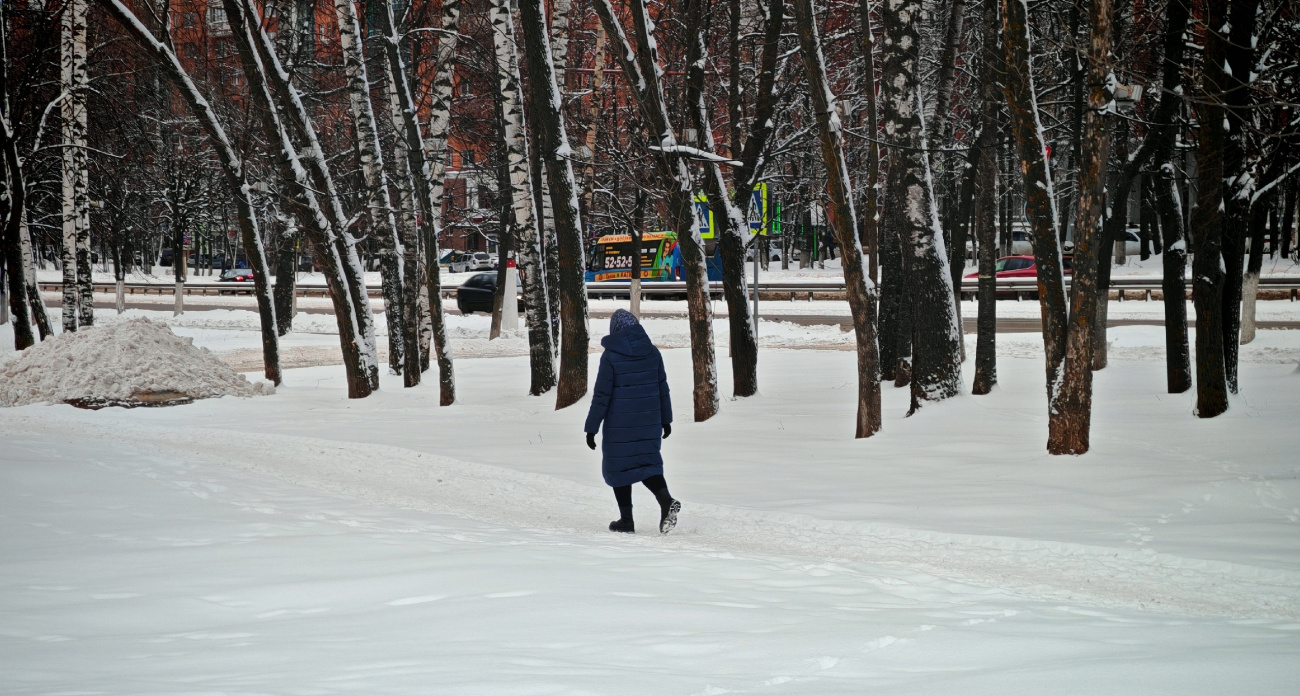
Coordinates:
column 631, row 400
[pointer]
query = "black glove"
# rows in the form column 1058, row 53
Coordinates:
column 591, row 440
column 668, row 430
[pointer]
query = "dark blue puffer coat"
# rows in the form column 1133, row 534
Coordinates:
column 631, row 399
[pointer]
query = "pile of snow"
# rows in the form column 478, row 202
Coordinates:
column 119, row 361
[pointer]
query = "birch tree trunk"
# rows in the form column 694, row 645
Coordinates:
column 1040, row 206
column 236, row 178
column 729, row 222
column 1207, row 220
column 861, row 291
column 40, row 317
column 435, row 154
column 1069, row 420
column 642, row 71
column 936, row 334
column 1254, row 263
column 546, row 110
column 422, row 163
column 528, row 242
column 413, row 302
column 308, row 173
column 379, row 207
column 78, row 293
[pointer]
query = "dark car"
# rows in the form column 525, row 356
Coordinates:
column 475, row 294
column 236, row 275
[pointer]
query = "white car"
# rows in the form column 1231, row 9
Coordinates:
column 473, row 261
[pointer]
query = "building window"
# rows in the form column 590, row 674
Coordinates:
column 187, row 20
column 217, row 19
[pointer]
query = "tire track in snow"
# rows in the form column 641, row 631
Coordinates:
column 1029, row 568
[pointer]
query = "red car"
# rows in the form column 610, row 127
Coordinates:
column 1022, row 267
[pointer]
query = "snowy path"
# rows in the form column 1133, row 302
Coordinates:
column 1038, row 569
column 152, row 575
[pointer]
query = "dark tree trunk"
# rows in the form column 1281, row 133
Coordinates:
column 1144, row 221
column 861, row 291
column 1288, row 217
column 1069, row 421
column 16, row 275
column 1040, row 205
column 936, row 335
column 895, row 312
column 961, row 226
column 871, row 225
column 1207, row 221
column 286, row 280
column 553, row 147
column 753, row 157
column 1177, row 358
column 1239, row 51
column 986, row 183
column 729, row 222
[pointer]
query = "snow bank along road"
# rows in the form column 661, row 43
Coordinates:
column 305, row 543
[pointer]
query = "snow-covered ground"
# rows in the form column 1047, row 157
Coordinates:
column 305, row 543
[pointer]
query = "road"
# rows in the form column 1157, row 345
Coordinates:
column 1005, row 325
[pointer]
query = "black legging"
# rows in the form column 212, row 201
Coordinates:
column 656, row 484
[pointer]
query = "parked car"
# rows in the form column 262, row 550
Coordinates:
column 236, row 275
column 1022, row 243
column 1021, row 266
column 1132, row 243
column 470, row 261
column 476, row 294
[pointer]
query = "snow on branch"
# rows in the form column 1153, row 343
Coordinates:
column 697, row 153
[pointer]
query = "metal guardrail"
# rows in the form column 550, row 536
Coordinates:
column 797, row 288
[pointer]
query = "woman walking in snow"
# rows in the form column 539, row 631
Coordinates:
column 631, row 399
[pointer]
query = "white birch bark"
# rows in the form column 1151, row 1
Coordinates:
column 415, row 301
column 77, row 303
column 527, row 241
column 1249, row 295
column 435, row 155
column 315, row 167
column 427, row 189
column 378, row 204
column 40, row 318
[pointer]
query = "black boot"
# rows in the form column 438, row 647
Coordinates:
column 668, row 507
column 668, row 515
column 624, row 523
